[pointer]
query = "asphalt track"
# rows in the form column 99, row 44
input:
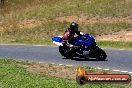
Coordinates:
column 116, row 60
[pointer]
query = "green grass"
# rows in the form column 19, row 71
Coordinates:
column 54, row 28
column 115, row 44
column 54, row 8
column 105, row 28
column 33, row 41
column 14, row 76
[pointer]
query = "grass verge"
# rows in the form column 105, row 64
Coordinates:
column 103, row 44
column 33, row 41
column 115, row 44
column 18, row 74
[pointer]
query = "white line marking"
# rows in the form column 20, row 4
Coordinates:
column 98, row 68
column 116, row 70
column 69, row 65
column 130, row 72
column 106, row 69
column 40, row 62
column 60, row 64
column 52, row 63
column 124, row 71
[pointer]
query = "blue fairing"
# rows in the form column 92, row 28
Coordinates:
column 87, row 41
column 57, row 39
column 91, row 38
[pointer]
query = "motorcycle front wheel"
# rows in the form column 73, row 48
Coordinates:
column 100, row 54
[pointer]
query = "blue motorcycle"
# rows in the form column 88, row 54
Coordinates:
column 86, row 48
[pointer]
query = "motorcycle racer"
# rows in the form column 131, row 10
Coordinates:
column 68, row 36
column 82, row 46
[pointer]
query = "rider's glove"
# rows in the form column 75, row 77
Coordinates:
column 82, row 33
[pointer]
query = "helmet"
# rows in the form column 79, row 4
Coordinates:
column 74, row 26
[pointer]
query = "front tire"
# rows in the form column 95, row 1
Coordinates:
column 101, row 55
